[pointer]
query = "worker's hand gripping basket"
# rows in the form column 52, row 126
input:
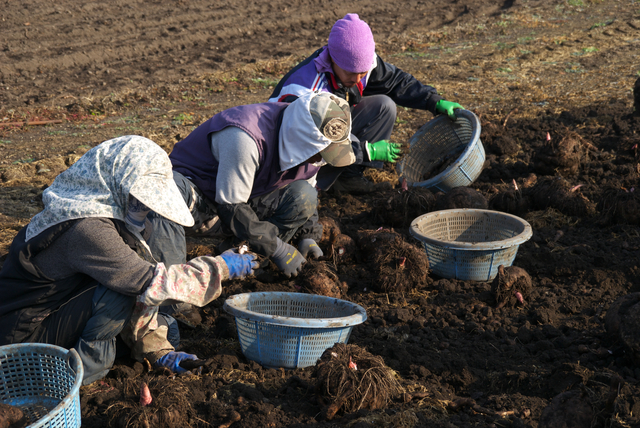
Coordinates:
column 291, row 330
column 44, row 382
column 470, row 244
column 444, row 154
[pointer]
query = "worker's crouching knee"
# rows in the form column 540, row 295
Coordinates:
column 305, row 197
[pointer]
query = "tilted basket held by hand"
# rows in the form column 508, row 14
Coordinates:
column 441, row 142
column 44, row 382
column 291, row 330
column 470, row 244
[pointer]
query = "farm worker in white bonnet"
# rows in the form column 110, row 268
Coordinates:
column 249, row 172
column 80, row 273
column 349, row 68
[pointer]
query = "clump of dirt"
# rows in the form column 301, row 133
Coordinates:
column 349, row 378
column 623, row 323
column 568, row 409
column 169, row 407
column 512, row 286
column 556, row 192
column 497, row 139
column 370, row 241
column 317, row 277
column 562, row 155
column 12, row 417
column 399, row 208
column 400, row 267
column 342, row 250
column 330, row 229
column 461, row 197
column 619, row 206
column 509, row 201
column 336, row 246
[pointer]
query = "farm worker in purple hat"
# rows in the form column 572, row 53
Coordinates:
column 349, row 68
column 249, row 175
column 81, row 272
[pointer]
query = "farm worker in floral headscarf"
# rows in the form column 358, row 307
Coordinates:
column 249, row 172
column 349, row 68
column 80, row 272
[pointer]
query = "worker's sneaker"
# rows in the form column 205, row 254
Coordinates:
column 359, row 186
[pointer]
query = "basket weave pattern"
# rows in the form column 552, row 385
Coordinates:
column 470, row 244
column 291, row 330
column 437, row 141
column 44, row 382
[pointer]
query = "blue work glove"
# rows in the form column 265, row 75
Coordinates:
column 384, row 150
column 448, row 107
column 172, row 361
column 288, row 259
column 240, row 265
column 309, row 248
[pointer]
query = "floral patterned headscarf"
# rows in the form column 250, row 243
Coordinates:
column 100, row 182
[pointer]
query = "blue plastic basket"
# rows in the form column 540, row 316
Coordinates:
column 44, row 382
column 291, row 330
column 434, row 143
column 470, row 244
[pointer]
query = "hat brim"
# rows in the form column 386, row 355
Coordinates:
column 162, row 195
column 339, row 153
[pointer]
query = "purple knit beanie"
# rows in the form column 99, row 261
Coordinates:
column 351, row 44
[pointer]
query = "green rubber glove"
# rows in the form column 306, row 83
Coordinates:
column 444, row 106
column 384, row 150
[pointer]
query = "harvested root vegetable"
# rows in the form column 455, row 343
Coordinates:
column 555, row 192
column 12, row 417
column 370, row 241
column 349, row 379
column 400, row 208
column 330, row 229
column 171, row 407
column 568, row 409
column 342, row 249
column 400, row 266
column 461, row 197
column 511, row 286
column 510, row 201
column 619, row 206
column 562, row 155
column 623, row 322
column 317, row 277
column 145, row 395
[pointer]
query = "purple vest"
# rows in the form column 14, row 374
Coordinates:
column 192, row 156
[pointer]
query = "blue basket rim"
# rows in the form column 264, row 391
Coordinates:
column 72, row 358
column 236, row 305
column 523, row 236
column 475, row 140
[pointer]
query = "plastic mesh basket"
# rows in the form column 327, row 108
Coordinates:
column 291, row 330
column 470, row 244
column 437, row 143
column 43, row 381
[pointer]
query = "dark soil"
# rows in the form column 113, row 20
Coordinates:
column 552, row 83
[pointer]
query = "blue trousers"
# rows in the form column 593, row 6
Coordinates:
column 90, row 322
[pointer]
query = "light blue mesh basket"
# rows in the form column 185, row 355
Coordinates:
column 443, row 141
column 470, row 244
column 291, row 330
column 44, row 382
